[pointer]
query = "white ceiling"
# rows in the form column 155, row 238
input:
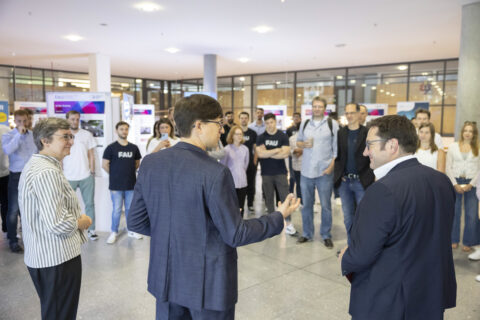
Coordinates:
column 305, row 34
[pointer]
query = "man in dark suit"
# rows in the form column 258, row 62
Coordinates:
column 352, row 173
column 186, row 202
column 400, row 257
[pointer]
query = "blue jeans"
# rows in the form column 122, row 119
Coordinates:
column 324, row 185
column 13, row 209
column 471, row 230
column 87, row 189
column 351, row 192
column 118, row 200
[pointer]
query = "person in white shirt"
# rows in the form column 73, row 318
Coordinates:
column 79, row 167
column 463, row 166
column 427, row 151
column 164, row 136
column 4, row 173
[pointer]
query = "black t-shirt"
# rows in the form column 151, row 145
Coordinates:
column 250, row 138
column 351, row 166
column 122, row 165
column 292, row 130
column 272, row 167
column 223, row 136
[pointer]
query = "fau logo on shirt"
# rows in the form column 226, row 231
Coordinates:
column 273, row 143
column 246, row 138
column 125, row 154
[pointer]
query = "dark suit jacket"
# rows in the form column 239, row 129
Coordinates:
column 186, row 202
column 363, row 163
column 400, row 253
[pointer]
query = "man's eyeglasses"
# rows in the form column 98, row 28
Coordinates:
column 219, row 123
column 369, row 143
column 66, row 137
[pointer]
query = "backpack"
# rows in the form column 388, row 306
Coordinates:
column 329, row 122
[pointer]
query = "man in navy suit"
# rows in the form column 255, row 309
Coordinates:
column 186, row 202
column 400, row 257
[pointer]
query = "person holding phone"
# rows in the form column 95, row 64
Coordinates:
column 165, row 138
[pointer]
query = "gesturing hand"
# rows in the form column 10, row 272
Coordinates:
column 289, row 205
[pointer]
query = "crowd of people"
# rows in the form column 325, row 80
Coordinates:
column 42, row 167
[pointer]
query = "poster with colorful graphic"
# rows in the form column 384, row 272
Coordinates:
column 375, row 110
column 280, row 113
column 4, row 113
column 39, row 109
column 127, row 106
column 141, row 127
column 408, row 108
column 306, row 110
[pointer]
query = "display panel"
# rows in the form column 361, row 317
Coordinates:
column 84, row 107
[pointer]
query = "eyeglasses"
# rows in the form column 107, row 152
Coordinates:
column 369, row 143
column 219, row 123
column 66, row 137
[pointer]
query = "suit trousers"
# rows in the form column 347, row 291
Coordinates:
column 58, row 288
column 172, row 311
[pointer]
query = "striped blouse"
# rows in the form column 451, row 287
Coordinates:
column 50, row 211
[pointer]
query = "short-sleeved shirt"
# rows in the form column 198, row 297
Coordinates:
column 75, row 165
column 273, row 167
column 122, row 165
column 250, row 138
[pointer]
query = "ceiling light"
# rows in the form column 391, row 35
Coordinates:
column 278, row 82
column 393, row 94
column 402, row 67
column 262, row 29
column 125, row 85
column 387, row 82
column 339, row 77
column 61, row 84
column 243, row 60
column 73, row 37
column 374, row 88
column 353, row 81
column 138, row 80
column 299, row 94
column 241, row 79
column 147, row 6
column 172, row 50
column 243, row 89
column 388, row 93
column 430, row 79
column 434, row 83
column 364, row 85
column 381, row 90
column 424, row 73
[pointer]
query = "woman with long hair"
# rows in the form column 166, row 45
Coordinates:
column 236, row 159
column 427, row 151
column 163, row 136
column 463, row 166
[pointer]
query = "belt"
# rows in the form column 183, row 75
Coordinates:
column 351, row 176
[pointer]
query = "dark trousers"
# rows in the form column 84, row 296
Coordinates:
column 297, row 175
column 4, row 201
column 241, row 195
column 58, row 288
column 251, row 174
column 173, row 311
column 13, row 210
column 291, row 180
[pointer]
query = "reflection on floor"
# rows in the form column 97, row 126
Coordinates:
column 278, row 279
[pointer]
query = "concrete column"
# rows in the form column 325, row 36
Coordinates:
column 210, row 73
column 99, row 73
column 468, row 95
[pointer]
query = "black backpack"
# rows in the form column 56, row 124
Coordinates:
column 329, row 122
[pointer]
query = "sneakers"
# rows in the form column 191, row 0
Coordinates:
column 92, row 235
column 328, row 243
column 112, row 238
column 474, row 256
column 134, row 235
column 302, row 239
column 16, row 248
column 477, row 278
column 290, row 230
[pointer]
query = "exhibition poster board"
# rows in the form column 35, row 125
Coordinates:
column 408, row 108
column 280, row 113
column 142, row 125
column 127, row 107
column 375, row 110
column 39, row 109
column 306, row 110
column 4, row 113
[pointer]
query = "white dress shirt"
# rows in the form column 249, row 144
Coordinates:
column 382, row 171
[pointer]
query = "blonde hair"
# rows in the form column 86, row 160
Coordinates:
column 232, row 132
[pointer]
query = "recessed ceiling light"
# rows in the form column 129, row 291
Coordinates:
column 243, row 60
column 424, row 73
column 138, row 80
column 241, row 79
column 387, row 83
column 393, row 94
column 339, row 77
column 353, row 81
column 243, row 89
column 388, row 92
column 402, row 67
column 73, row 37
column 381, row 90
column 172, row 50
column 374, row 88
column 278, row 82
column 147, row 6
column 364, row 85
column 262, row 29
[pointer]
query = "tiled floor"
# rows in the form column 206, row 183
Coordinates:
column 278, row 279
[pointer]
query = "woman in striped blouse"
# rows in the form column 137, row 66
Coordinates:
column 51, row 222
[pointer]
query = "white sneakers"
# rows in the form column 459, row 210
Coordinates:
column 290, row 229
column 477, row 278
column 475, row 256
column 135, row 235
column 112, row 238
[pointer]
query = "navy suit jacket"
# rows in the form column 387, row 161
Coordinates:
column 400, row 253
column 186, row 202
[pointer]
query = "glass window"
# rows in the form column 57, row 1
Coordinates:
column 6, row 85
column 426, row 82
column 122, row 85
column 274, row 89
column 153, row 93
column 242, row 95
column 66, row 81
column 28, row 84
column 176, row 92
column 224, row 93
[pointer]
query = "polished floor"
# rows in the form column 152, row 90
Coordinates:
column 278, row 279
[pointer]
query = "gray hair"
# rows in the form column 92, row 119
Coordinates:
column 46, row 128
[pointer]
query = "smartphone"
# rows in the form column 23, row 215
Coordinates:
column 164, row 136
